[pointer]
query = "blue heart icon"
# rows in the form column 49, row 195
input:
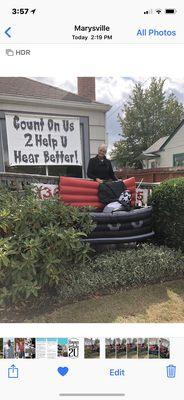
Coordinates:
column 63, row 371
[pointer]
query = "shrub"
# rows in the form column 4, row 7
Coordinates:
column 40, row 242
column 41, row 251
column 168, row 203
column 124, row 269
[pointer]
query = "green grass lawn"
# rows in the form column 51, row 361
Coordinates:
column 156, row 303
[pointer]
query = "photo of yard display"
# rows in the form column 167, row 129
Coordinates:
column 132, row 348
column 92, row 205
column 153, row 348
column 115, row 348
column 91, row 348
column 110, row 348
column 121, row 350
column 141, row 348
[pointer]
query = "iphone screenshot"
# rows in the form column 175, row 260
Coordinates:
column 91, row 200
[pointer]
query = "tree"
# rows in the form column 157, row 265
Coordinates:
column 149, row 114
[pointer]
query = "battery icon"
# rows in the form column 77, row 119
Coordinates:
column 170, row 11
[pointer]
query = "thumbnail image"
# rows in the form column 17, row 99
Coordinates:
column 164, row 347
column 73, row 348
column 110, row 348
column 29, row 346
column 131, row 348
column 121, row 348
column 62, row 347
column 19, row 347
column 142, row 348
column 9, row 348
column 1, row 348
column 91, row 348
column 41, row 348
column 52, row 348
column 153, row 348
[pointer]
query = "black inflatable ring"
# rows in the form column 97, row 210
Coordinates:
column 134, row 225
column 122, row 216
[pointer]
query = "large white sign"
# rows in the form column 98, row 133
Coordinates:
column 43, row 140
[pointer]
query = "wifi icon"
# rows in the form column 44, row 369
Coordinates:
column 158, row 11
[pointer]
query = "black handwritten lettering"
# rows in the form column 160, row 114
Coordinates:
column 29, row 136
column 53, row 126
column 15, row 122
column 71, row 126
column 30, row 125
column 64, row 141
column 20, row 158
column 65, row 125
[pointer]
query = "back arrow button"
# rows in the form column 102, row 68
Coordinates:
column 7, row 32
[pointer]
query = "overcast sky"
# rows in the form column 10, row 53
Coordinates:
column 116, row 91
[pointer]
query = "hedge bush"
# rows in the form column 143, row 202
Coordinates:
column 124, row 269
column 40, row 242
column 168, row 206
column 41, row 252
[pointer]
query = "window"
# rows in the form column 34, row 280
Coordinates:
column 178, row 160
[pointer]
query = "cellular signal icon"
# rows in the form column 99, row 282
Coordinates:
column 158, row 11
column 148, row 12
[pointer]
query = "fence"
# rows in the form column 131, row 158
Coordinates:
column 48, row 185
column 151, row 175
column 18, row 181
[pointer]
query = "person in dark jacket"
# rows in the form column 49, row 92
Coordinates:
column 100, row 168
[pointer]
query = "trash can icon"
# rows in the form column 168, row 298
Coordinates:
column 171, row 371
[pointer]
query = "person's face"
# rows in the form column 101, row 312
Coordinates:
column 101, row 153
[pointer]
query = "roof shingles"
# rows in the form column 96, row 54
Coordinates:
column 156, row 146
column 26, row 87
